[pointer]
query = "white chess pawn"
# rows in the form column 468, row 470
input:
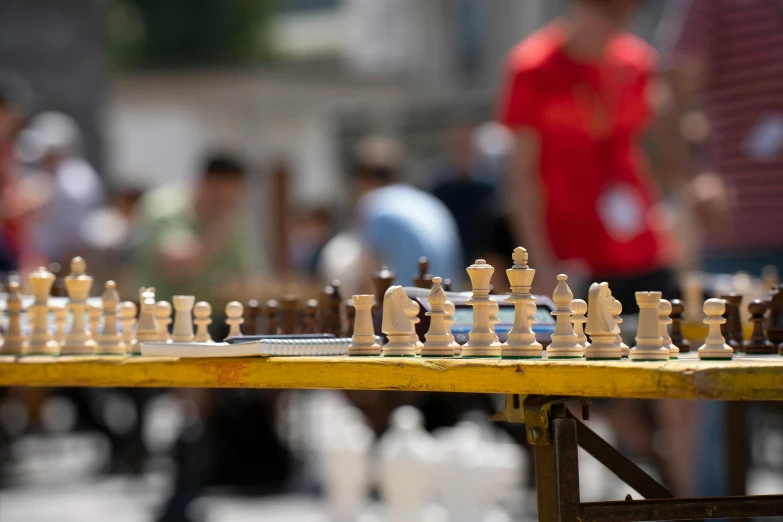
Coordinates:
column 664, row 311
column 601, row 325
column 398, row 314
column 438, row 339
column 147, row 329
column 60, row 322
column 202, row 313
column 450, row 310
column 127, row 318
column 579, row 309
column 163, row 312
column 94, row 313
column 15, row 342
column 616, row 309
column 40, row 340
column 78, row 341
column 481, row 339
column 234, row 311
column 715, row 346
column 363, row 341
column 416, row 320
column 183, row 320
column 521, row 343
column 494, row 310
column 565, row 342
column 649, row 343
column 110, row 340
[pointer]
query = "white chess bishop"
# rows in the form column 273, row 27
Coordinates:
column 565, row 342
column 481, row 339
column 78, row 341
column 438, row 337
column 715, row 346
column 110, row 340
column 398, row 314
column 521, row 343
column 363, row 341
column 649, row 343
column 601, row 324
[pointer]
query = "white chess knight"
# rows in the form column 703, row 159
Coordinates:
column 110, row 341
column 481, row 339
column 398, row 314
column 649, row 343
column 450, row 311
column 183, row 320
column 664, row 311
column 715, row 346
column 78, row 341
column 438, row 338
column 521, row 341
column 363, row 341
column 601, row 325
column 565, row 342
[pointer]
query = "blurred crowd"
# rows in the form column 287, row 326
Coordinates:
column 608, row 159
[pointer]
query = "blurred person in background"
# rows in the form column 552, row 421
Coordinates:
column 308, row 232
column 193, row 240
column 75, row 189
column 582, row 198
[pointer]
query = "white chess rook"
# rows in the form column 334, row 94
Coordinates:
column 78, row 341
column 616, row 309
column 715, row 346
column 202, row 312
column 398, row 314
column 183, row 320
column 110, row 340
column 664, row 311
column 565, row 342
column 649, row 343
column 363, row 341
column 438, row 338
column 450, row 311
column 127, row 318
column 521, row 343
column 601, row 325
column 15, row 342
column 234, row 319
column 481, row 339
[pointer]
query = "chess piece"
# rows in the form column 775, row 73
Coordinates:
column 678, row 340
column 147, row 329
column 450, row 310
column 272, row 313
column 109, row 340
column 692, row 295
column 202, row 313
column 14, row 343
column 331, row 321
column 40, row 340
column 234, row 319
column 127, row 319
column 58, row 288
column 494, row 310
column 481, row 339
column 649, row 343
column 732, row 328
column 601, row 325
column 423, row 279
column 310, row 322
column 616, row 309
column 94, row 313
column 252, row 314
column 183, row 321
column 163, row 312
column 381, row 281
column 60, row 323
column 446, row 284
column 78, row 341
column 289, row 315
column 774, row 323
column 769, row 277
column 664, row 319
column 758, row 342
column 363, row 340
column 415, row 335
column 438, row 340
column 521, row 342
column 578, row 319
column 715, row 346
column 350, row 318
column 565, row 342
column 397, row 324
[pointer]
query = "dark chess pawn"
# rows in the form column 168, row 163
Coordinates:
column 289, row 315
column 272, row 313
column 774, row 322
column 732, row 328
column 252, row 314
column 381, row 281
column 678, row 339
column 423, row 279
column 758, row 342
column 350, row 318
column 310, row 321
column 446, row 284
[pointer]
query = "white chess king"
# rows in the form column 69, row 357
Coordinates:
column 78, row 283
column 521, row 343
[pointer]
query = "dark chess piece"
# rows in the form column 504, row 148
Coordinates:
column 678, row 308
column 252, row 314
column 310, row 320
column 446, row 284
column 381, row 281
column 350, row 318
column 423, row 279
column 732, row 328
column 330, row 304
column 272, row 313
column 58, row 288
column 774, row 324
column 758, row 342
column 289, row 323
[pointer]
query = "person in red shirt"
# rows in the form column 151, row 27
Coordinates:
column 576, row 97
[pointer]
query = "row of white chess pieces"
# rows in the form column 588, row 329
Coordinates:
column 120, row 334
column 569, row 340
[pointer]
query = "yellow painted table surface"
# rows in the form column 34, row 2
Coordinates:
column 744, row 378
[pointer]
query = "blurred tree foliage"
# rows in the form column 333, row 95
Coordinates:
column 189, row 33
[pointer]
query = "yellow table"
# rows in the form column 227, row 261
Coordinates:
column 536, row 392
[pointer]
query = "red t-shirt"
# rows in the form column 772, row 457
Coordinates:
column 597, row 197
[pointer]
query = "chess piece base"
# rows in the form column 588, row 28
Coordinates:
column 50, row 347
column 112, row 345
column 661, row 354
column 674, row 352
column 710, row 353
column 372, row 350
column 528, row 351
column 398, row 355
column 760, row 349
column 12, row 346
column 437, row 347
column 89, row 347
column 539, row 356
column 438, row 356
column 492, row 350
column 572, row 353
column 606, row 353
column 556, row 357
column 480, row 356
